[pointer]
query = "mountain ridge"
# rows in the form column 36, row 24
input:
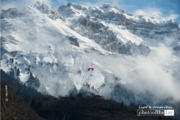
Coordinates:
column 57, row 47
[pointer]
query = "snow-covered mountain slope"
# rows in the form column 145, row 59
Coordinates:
column 51, row 50
column 111, row 23
column 112, row 37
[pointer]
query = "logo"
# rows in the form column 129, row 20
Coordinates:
column 168, row 112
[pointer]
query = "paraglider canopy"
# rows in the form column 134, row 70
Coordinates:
column 90, row 69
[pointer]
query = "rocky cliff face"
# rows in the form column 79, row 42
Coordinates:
column 97, row 23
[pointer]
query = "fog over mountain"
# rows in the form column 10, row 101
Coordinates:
column 136, row 58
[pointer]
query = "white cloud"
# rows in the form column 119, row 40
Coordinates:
column 152, row 11
column 154, row 73
column 20, row 4
column 9, row 5
column 171, row 17
column 148, row 12
column 101, row 2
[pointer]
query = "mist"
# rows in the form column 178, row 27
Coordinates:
column 154, row 73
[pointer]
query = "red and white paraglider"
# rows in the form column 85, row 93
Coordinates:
column 91, row 69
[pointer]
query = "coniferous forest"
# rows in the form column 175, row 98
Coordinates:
column 25, row 103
